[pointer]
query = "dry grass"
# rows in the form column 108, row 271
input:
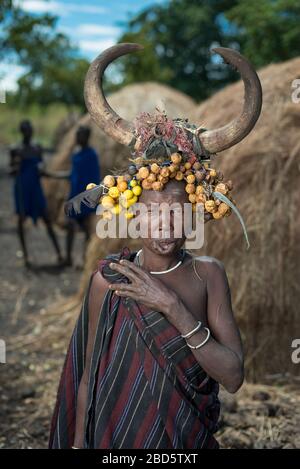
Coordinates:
column 265, row 172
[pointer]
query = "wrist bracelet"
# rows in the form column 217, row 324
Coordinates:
column 189, row 334
column 202, row 343
column 75, row 447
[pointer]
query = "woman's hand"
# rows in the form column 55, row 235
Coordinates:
column 143, row 288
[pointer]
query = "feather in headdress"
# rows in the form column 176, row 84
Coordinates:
column 90, row 198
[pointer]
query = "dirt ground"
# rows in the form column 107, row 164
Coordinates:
column 37, row 314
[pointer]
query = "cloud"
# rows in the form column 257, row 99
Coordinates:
column 93, row 9
column 97, row 45
column 97, row 30
column 9, row 75
column 61, row 8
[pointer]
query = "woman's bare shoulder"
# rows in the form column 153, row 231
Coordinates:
column 210, row 262
column 99, row 283
column 98, row 289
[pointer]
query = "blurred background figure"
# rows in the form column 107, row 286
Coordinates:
column 25, row 161
column 85, row 169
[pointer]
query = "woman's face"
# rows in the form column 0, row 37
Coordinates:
column 162, row 233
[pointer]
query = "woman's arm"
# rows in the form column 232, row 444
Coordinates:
column 97, row 292
column 222, row 356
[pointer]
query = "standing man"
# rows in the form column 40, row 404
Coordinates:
column 29, row 198
column 85, row 169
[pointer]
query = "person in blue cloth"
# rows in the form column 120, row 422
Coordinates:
column 85, row 169
column 29, row 198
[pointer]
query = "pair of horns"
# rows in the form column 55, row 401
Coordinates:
column 214, row 140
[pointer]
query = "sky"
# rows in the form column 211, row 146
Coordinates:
column 92, row 25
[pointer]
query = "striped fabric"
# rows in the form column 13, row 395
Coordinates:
column 146, row 389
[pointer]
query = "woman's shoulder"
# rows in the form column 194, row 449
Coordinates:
column 210, row 261
column 209, row 266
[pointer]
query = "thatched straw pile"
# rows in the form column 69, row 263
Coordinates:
column 128, row 102
column 265, row 171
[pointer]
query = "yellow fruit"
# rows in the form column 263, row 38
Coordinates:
column 116, row 209
column 190, row 188
column 151, row 177
column 187, row 165
column 173, row 168
column 120, row 179
column 157, row 186
column 137, row 190
column 133, row 200
column 91, row 185
column 201, row 198
column 128, row 215
column 107, row 201
column 122, row 186
column 155, row 168
column 213, row 173
column 206, row 165
column 210, row 206
column 109, row 181
column 193, row 198
column 114, row 192
column 133, row 183
column 190, row 178
column 165, row 172
column 199, row 190
column 176, row 158
column 128, row 194
column 217, row 215
column 179, row 176
column 223, row 208
column 196, row 165
column 147, row 185
column 221, row 187
column 163, row 179
column 143, row 172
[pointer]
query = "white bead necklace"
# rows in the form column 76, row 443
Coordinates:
column 161, row 271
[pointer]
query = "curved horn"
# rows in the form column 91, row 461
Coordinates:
column 101, row 112
column 225, row 137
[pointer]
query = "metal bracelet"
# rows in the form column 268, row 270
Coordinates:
column 189, row 334
column 202, row 343
column 75, row 447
